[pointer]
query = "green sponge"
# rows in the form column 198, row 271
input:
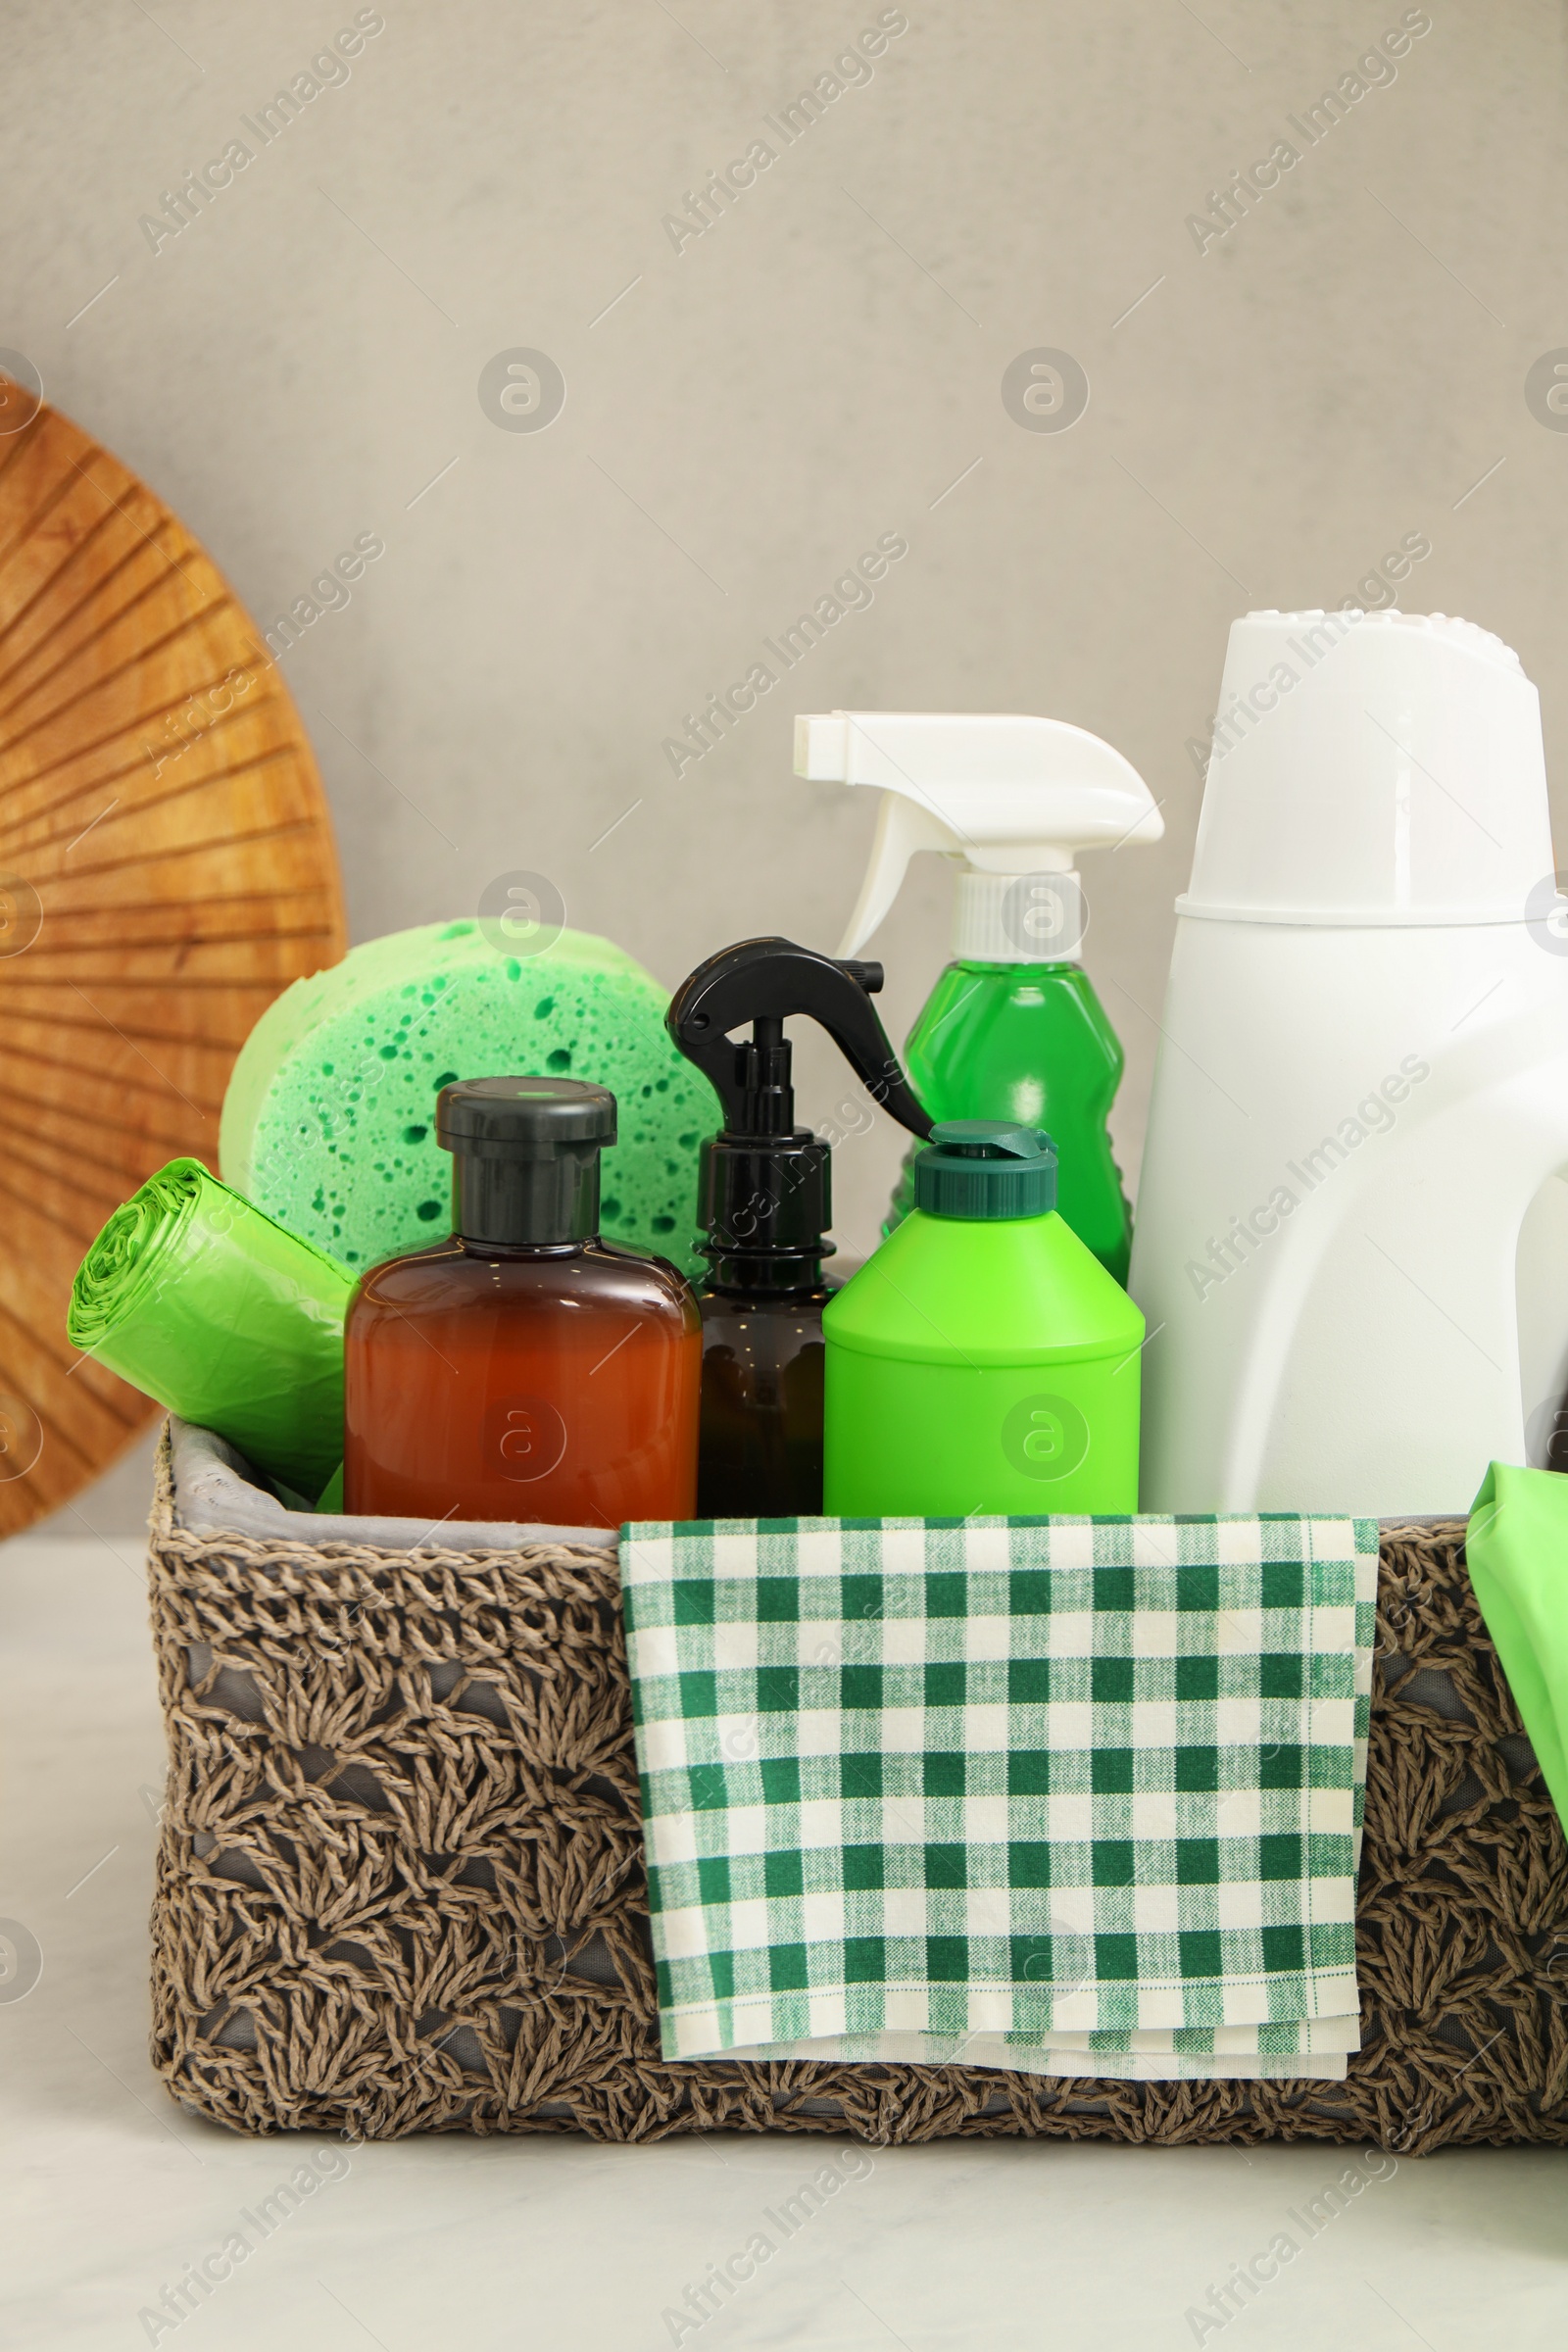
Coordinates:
column 328, row 1122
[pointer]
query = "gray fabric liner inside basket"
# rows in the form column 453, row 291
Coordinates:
column 216, row 1492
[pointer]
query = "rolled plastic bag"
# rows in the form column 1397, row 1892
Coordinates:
column 202, row 1301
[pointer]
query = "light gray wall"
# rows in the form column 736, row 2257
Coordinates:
column 819, row 368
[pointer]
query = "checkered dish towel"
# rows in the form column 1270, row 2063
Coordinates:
column 1067, row 1797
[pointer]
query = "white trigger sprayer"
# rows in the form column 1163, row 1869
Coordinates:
column 1013, row 798
column 1012, row 1029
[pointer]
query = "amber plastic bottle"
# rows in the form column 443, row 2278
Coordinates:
column 761, row 1416
column 524, row 1369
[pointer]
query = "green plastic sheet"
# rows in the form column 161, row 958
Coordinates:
column 1517, row 1548
column 202, row 1301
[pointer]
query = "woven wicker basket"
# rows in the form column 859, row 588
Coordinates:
column 400, row 1878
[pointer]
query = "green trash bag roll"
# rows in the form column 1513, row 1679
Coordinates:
column 202, row 1301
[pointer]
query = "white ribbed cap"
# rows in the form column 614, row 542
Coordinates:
column 1371, row 767
column 1019, row 918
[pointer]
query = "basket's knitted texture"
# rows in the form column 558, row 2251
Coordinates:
column 400, row 1878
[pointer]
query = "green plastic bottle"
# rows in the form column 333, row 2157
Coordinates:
column 1013, row 1029
column 1028, row 1042
column 983, row 1360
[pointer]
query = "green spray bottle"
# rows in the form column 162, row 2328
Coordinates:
column 982, row 1360
column 1013, row 1029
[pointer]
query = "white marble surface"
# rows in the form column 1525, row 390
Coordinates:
column 110, row 2191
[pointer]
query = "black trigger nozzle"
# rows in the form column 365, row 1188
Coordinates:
column 782, row 1171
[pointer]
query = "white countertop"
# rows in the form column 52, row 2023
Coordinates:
column 110, row 2191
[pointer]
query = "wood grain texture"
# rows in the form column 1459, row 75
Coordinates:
column 167, row 867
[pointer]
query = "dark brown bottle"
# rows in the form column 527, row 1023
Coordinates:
column 524, row 1369
column 766, row 1204
column 760, row 1447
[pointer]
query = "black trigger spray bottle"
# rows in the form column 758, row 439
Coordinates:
column 764, row 1203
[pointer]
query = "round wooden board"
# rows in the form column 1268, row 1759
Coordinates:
column 166, row 867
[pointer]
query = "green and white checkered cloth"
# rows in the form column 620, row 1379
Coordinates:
column 1066, row 1795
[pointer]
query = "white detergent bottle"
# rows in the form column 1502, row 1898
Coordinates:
column 1352, row 1242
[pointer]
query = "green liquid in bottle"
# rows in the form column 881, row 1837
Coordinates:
column 1029, row 1043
